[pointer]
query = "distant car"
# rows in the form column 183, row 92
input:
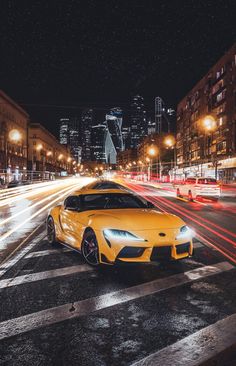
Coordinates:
column 109, row 226
column 194, row 188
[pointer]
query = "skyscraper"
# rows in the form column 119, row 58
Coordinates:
column 70, row 136
column 85, row 130
column 75, row 139
column 114, row 125
column 98, row 137
column 64, row 131
column 138, row 121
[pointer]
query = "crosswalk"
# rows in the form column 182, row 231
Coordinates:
column 125, row 308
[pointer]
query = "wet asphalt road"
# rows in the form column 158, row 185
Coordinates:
column 47, row 316
column 213, row 222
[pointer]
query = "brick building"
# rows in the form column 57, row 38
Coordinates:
column 201, row 151
column 13, row 135
column 45, row 153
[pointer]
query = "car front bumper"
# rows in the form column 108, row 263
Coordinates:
column 143, row 251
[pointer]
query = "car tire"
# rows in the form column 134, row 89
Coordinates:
column 51, row 231
column 90, row 248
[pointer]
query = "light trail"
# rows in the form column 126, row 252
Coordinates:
column 10, row 191
column 3, row 222
column 65, row 191
column 159, row 201
column 33, row 192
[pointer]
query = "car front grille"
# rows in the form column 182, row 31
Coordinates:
column 160, row 253
column 130, row 252
column 182, row 248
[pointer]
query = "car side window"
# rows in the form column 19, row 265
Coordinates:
column 72, row 202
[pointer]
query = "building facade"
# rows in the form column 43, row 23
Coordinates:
column 45, row 153
column 85, row 130
column 138, row 121
column 13, row 136
column 64, row 131
column 126, row 157
column 201, row 150
column 98, row 138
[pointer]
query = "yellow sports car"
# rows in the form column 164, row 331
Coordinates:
column 108, row 226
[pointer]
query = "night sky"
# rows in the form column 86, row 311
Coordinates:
column 58, row 57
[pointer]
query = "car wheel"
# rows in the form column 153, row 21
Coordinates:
column 51, row 232
column 89, row 248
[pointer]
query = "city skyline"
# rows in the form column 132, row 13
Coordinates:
column 65, row 64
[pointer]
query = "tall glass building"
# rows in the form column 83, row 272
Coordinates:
column 138, row 121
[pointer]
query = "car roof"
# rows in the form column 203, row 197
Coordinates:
column 98, row 191
column 100, row 182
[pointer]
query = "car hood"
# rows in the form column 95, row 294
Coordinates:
column 134, row 219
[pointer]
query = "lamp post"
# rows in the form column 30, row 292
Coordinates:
column 13, row 136
column 209, row 125
column 152, row 152
column 170, row 143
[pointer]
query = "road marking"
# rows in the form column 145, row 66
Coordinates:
column 39, row 276
column 198, row 348
column 25, row 323
column 42, row 253
column 9, row 263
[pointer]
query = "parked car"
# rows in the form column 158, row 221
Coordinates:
column 194, row 188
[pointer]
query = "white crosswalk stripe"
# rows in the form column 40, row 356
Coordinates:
column 42, row 253
column 39, row 276
column 54, row 315
column 198, row 348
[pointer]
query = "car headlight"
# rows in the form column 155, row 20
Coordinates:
column 120, row 234
column 185, row 233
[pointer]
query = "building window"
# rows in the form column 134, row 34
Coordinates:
column 221, row 96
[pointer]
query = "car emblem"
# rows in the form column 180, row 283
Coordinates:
column 162, row 234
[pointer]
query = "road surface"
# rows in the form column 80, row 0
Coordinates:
column 56, row 310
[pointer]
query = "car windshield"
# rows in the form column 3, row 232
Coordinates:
column 106, row 185
column 207, row 181
column 111, row 201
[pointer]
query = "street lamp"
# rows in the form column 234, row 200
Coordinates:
column 209, row 125
column 13, row 136
column 152, row 151
column 170, row 143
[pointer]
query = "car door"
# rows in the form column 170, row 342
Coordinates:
column 68, row 218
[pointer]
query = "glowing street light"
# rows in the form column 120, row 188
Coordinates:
column 152, row 151
column 169, row 141
column 60, row 156
column 14, row 135
column 209, row 123
column 49, row 153
column 69, row 160
column 39, row 147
